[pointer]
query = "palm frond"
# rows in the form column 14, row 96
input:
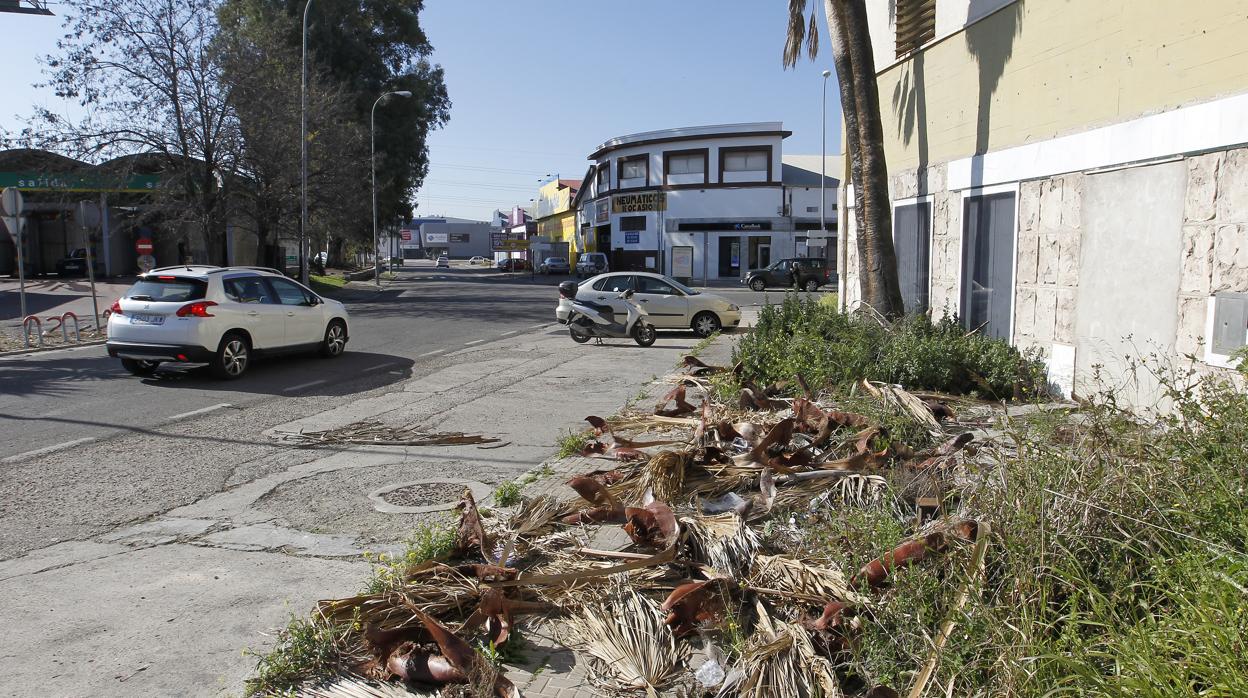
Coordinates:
column 626, row 634
column 812, row 36
column 796, row 34
column 786, row 575
column 723, row 542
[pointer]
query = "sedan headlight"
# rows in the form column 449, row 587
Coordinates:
column 733, row 307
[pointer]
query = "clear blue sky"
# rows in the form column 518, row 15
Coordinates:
column 536, row 85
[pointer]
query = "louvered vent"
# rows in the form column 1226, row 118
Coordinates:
column 916, row 24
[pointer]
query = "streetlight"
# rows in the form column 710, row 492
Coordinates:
column 372, row 159
column 823, row 164
column 303, row 152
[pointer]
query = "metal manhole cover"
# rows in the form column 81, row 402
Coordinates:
column 423, row 496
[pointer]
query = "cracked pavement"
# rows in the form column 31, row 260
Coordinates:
column 143, row 562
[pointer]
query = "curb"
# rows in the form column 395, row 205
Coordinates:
column 58, row 347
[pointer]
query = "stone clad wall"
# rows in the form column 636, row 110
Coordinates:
column 1215, row 240
column 1047, row 273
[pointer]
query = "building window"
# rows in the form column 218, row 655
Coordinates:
column 634, row 171
column 746, row 161
column 988, row 264
column 911, row 238
column 632, row 222
column 686, row 164
column 916, row 25
column 604, row 178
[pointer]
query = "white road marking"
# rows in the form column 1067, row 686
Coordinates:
column 48, row 449
column 538, row 327
column 380, row 367
column 431, row 353
column 508, row 334
column 478, row 341
column 301, row 386
column 202, row 411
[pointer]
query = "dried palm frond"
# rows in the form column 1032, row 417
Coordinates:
column 535, row 517
column 627, row 637
column 723, row 542
column 845, row 487
column 436, row 588
column 787, row 576
column 664, row 475
column 781, row 662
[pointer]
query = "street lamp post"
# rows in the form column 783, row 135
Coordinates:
column 303, row 152
column 823, row 165
column 372, row 159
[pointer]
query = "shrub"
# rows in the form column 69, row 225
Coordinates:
column 830, row 348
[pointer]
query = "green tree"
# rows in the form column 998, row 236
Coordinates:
column 263, row 74
column 864, row 139
column 369, row 47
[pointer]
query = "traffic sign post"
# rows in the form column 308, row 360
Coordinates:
column 11, row 206
column 89, row 219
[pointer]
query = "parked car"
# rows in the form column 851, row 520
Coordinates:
column 668, row 303
column 554, row 265
column 478, row 260
column 513, row 264
column 800, row 272
column 590, row 264
column 396, row 262
column 220, row 316
column 76, row 264
column 443, row 262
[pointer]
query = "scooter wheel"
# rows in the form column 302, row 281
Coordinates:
column 578, row 337
column 644, row 334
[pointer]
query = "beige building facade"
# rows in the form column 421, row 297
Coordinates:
column 1071, row 176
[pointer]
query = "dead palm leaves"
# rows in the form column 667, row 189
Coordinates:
column 626, row 634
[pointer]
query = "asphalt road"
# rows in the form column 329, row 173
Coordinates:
column 65, row 399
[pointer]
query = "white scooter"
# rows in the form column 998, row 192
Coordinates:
column 598, row 320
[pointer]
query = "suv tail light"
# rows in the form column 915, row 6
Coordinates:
column 196, row 309
column 827, row 273
column 115, row 308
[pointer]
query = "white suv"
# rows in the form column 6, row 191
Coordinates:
column 220, row 316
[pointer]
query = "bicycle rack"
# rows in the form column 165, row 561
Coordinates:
column 65, row 332
column 26, row 330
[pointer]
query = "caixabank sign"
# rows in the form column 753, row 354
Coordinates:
column 642, row 201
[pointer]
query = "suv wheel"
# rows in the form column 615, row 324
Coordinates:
column 757, row 284
column 811, row 285
column 138, row 367
column 706, row 324
column 335, row 340
column 233, row 357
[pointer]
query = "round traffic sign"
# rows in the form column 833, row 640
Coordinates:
column 147, row 263
column 11, row 201
column 143, row 246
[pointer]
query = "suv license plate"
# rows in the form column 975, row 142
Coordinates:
column 141, row 319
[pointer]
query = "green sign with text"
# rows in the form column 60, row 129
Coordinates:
column 43, row 181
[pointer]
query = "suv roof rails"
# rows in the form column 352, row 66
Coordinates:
column 268, row 269
column 183, row 267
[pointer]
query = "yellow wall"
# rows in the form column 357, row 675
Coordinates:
column 560, row 228
column 1044, row 68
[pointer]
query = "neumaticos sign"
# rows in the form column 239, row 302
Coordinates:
column 634, row 203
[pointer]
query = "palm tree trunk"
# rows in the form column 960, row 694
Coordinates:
column 864, row 136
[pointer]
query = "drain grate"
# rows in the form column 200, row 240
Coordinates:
column 423, row 496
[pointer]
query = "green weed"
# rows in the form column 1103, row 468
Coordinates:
column 430, row 541
column 571, row 443
column 507, row 494
column 304, row 649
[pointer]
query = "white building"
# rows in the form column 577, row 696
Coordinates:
column 704, row 203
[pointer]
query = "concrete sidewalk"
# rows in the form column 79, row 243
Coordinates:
column 164, row 606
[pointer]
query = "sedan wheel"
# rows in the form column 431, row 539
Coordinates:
column 812, row 285
column 706, row 324
column 757, row 285
column 335, row 340
column 232, row 358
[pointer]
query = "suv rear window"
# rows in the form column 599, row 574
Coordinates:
column 167, row 289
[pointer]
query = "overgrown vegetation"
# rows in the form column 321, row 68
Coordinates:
column 572, row 442
column 1117, row 564
column 429, row 541
column 829, row 348
column 507, row 494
